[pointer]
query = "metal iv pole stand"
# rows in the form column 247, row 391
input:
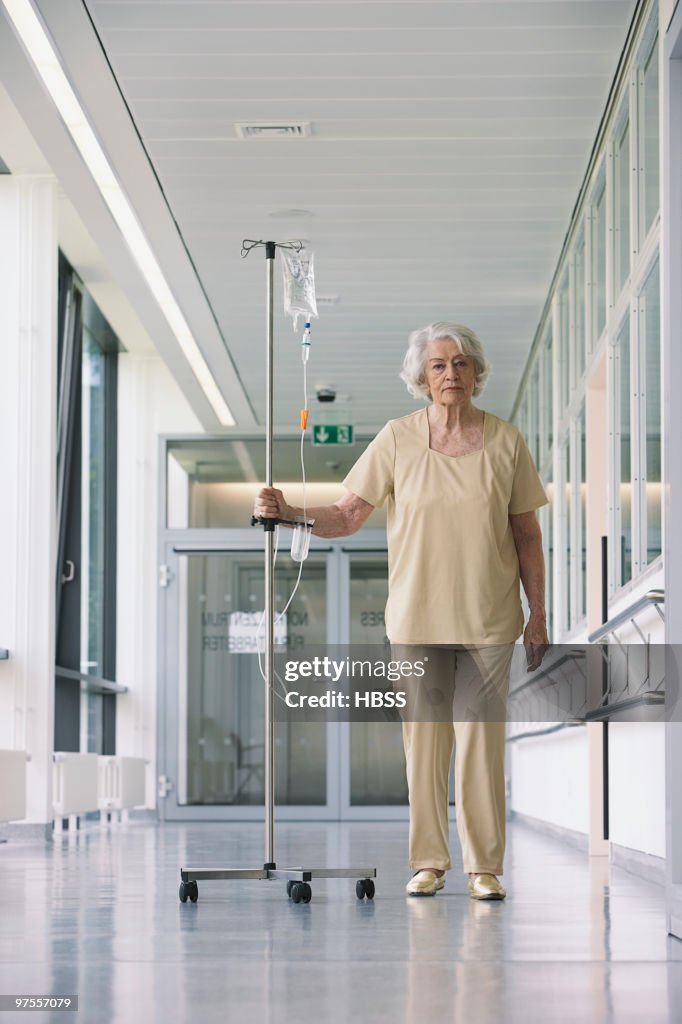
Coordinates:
column 298, row 879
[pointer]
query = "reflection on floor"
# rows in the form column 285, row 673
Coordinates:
column 98, row 915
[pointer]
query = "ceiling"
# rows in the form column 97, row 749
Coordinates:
column 449, row 141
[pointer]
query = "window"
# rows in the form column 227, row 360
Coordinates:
column 606, row 291
column 623, row 458
column 568, row 618
column 649, row 140
column 546, row 405
column 547, row 522
column 86, row 473
column 579, row 309
column 621, row 213
column 523, row 420
column 564, row 346
column 582, row 510
column 650, row 348
column 598, row 271
column 535, row 413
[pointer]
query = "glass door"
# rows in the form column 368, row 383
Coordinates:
column 215, row 753
column 373, row 782
column 372, row 768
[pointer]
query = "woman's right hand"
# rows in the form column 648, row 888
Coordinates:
column 270, row 504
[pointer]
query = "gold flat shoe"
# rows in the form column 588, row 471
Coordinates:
column 486, row 887
column 425, row 883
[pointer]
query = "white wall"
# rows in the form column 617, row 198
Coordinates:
column 28, row 362
column 549, row 778
column 637, row 764
column 637, row 786
column 150, row 404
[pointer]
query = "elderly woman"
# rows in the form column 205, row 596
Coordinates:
column 461, row 491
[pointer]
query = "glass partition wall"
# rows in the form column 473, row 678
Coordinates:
column 604, row 306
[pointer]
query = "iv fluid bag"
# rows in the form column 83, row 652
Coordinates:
column 299, row 284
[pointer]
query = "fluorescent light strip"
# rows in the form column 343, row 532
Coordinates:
column 42, row 53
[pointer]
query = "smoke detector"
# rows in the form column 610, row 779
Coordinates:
column 272, row 129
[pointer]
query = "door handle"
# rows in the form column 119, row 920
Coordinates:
column 70, row 574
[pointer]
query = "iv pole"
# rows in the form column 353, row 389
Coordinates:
column 298, row 879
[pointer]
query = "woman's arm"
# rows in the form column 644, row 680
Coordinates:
column 338, row 520
column 528, row 540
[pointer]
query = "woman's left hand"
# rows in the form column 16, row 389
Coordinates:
column 535, row 640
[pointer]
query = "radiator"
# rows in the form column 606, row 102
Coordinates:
column 75, row 784
column 121, row 783
column 12, row 785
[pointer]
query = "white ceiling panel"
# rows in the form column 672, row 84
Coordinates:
column 415, row 88
column 447, row 148
column 353, row 15
column 481, row 65
column 260, row 43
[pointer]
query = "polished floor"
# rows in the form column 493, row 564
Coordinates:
column 97, row 914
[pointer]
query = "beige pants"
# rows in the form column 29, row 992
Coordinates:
column 469, row 684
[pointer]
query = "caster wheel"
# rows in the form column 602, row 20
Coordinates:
column 297, row 891
column 290, row 886
column 189, row 891
column 307, row 893
column 364, row 887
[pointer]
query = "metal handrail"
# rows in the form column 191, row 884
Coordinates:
column 542, row 732
column 545, row 670
column 650, row 698
column 652, row 597
column 90, row 684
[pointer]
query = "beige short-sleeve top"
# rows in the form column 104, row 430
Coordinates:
column 453, row 571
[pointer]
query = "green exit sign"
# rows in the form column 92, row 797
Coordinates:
column 335, row 433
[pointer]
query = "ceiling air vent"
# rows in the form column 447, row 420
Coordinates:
column 272, row 129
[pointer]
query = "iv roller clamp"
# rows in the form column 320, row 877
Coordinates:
column 298, row 879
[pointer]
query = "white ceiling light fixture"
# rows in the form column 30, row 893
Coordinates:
column 37, row 43
column 272, row 129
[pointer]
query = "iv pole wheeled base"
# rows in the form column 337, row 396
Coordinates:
column 297, row 879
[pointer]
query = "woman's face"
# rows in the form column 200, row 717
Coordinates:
column 450, row 375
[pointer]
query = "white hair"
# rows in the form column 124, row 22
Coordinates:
column 414, row 363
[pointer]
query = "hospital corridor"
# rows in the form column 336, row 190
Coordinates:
column 340, row 482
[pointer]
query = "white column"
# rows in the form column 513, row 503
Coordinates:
column 28, row 360
column 671, row 324
column 597, row 527
column 149, row 404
